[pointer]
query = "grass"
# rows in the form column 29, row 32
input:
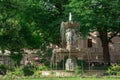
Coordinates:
column 75, row 78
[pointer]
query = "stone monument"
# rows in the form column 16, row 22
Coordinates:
column 68, row 32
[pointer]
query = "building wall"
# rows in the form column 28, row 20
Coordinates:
column 96, row 50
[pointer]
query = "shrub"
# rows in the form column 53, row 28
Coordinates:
column 3, row 69
column 37, row 73
column 114, row 70
column 42, row 67
column 38, row 70
column 78, row 70
column 82, row 63
column 18, row 71
column 14, row 74
column 28, row 70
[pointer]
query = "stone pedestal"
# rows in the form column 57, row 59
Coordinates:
column 70, row 64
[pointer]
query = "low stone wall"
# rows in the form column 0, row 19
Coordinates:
column 57, row 73
column 62, row 73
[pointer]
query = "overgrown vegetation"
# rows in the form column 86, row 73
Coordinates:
column 35, row 24
column 3, row 69
column 114, row 70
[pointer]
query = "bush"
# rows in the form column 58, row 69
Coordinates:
column 28, row 70
column 37, row 73
column 3, row 69
column 42, row 67
column 82, row 63
column 38, row 70
column 18, row 71
column 78, row 70
column 114, row 70
column 14, row 73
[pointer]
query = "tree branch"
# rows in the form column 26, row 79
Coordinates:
column 113, row 35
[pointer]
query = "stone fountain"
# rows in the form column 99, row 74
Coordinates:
column 68, row 34
column 69, row 38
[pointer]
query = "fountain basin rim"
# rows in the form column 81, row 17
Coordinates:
column 70, row 24
column 63, row 50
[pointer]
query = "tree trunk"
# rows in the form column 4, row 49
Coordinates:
column 106, row 55
column 103, row 34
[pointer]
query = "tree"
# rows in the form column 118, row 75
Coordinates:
column 98, row 15
column 27, row 24
column 15, row 34
column 9, row 27
column 46, row 21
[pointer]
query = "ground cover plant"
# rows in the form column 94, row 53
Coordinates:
column 75, row 78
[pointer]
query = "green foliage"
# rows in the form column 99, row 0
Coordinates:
column 82, row 63
column 94, row 14
column 101, row 67
column 100, row 16
column 78, row 70
column 28, row 24
column 63, row 78
column 16, row 58
column 42, row 68
column 37, row 73
column 13, row 73
column 45, row 55
column 36, row 23
column 24, row 24
column 114, row 70
column 17, row 71
column 38, row 70
column 28, row 70
column 3, row 69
